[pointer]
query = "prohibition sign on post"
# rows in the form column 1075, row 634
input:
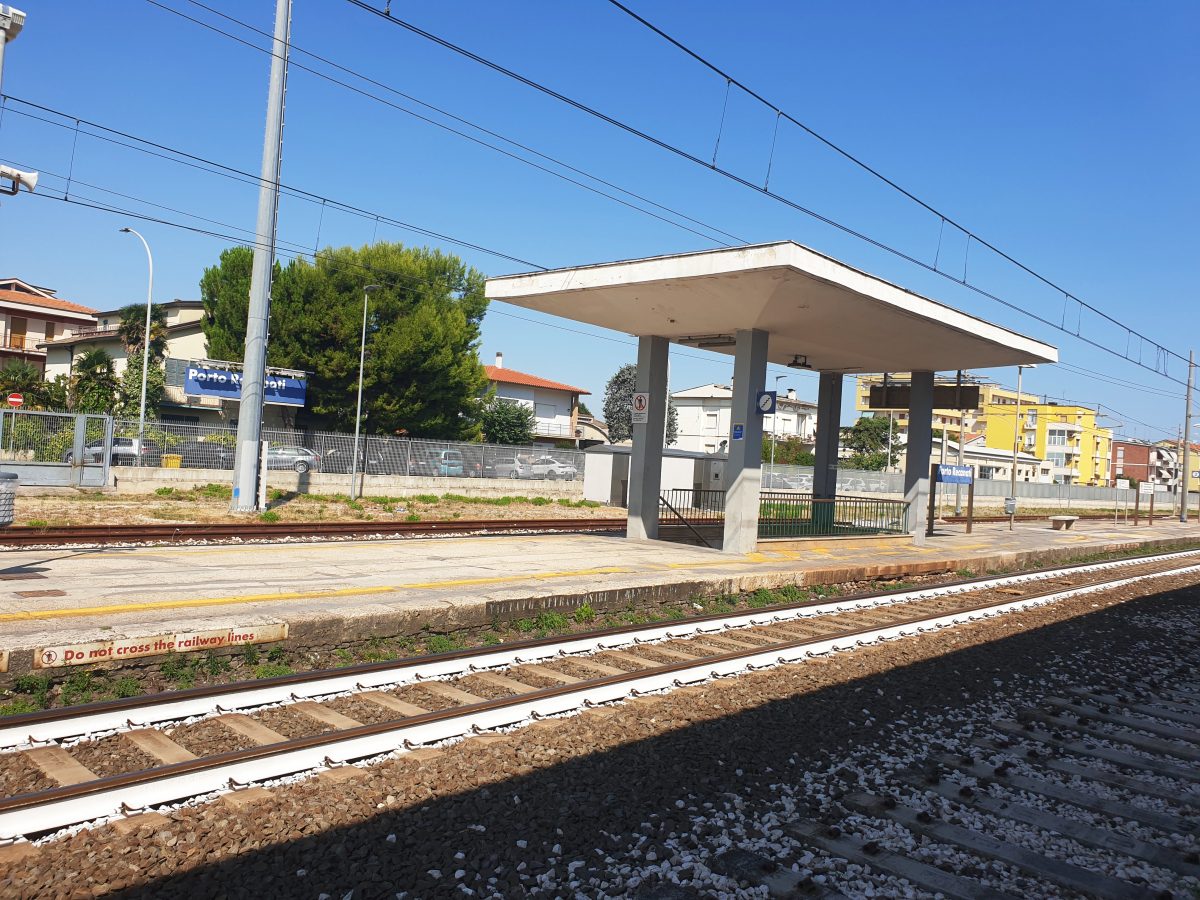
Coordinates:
column 15, row 399
column 641, row 409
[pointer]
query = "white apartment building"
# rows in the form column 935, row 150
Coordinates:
column 555, row 405
column 705, row 418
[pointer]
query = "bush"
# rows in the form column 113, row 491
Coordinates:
column 126, row 687
column 249, row 654
column 427, row 498
column 277, row 655
column 491, row 639
column 550, row 621
column 540, row 501
column 215, row 664
column 790, row 593
column 270, row 516
column 439, row 643
column 77, row 689
column 163, row 491
column 272, row 671
column 585, row 614
column 760, row 598
column 37, row 523
column 412, row 517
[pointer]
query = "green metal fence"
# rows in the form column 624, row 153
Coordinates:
column 789, row 514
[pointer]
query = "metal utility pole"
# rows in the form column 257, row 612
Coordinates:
column 1012, row 491
column 11, row 23
column 962, row 427
column 1187, row 436
column 362, row 359
column 141, row 448
column 246, row 458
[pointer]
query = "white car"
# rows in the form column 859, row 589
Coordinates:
column 551, row 469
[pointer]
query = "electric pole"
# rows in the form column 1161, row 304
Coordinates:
column 1187, row 436
column 246, row 459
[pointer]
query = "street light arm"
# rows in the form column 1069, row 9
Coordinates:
column 145, row 348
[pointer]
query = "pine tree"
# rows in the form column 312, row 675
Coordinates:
column 422, row 374
column 618, row 407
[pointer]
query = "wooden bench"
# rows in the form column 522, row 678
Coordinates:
column 1063, row 523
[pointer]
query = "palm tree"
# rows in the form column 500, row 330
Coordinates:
column 133, row 327
column 24, row 378
column 93, row 385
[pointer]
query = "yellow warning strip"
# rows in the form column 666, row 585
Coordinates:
column 295, row 595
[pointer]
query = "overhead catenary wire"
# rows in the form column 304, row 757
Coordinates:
column 1162, row 354
column 295, row 64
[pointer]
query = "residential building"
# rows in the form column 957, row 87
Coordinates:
column 1065, row 436
column 954, row 421
column 186, row 345
column 555, row 405
column 31, row 315
column 705, row 418
column 1161, row 462
column 591, row 431
column 993, row 464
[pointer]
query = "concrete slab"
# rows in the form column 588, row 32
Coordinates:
column 331, row 594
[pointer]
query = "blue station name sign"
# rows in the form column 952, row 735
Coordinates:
column 279, row 389
column 954, row 474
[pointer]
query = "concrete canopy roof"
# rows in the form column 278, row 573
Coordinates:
column 840, row 318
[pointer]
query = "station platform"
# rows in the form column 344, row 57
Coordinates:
column 328, row 594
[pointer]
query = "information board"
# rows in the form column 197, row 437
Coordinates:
column 954, row 474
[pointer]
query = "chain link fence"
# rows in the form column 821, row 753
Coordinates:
column 186, row 446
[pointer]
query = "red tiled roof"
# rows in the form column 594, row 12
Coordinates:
column 48, row 302
column 512, row 376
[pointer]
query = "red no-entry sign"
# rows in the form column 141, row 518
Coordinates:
column 15, row 399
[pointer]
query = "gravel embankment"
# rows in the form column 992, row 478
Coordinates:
column 612, row 801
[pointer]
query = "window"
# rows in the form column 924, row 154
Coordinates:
column 710, row 421
column 1057, row 437
column 1032, row 417
column 1056, row 459
column 987, row 473
column 1120, row 453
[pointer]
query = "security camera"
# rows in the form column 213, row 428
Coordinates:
column 11, row 21
column 17, row 178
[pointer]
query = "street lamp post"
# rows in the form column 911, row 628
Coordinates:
column 362, row 357
column 774, row 421
column 145, row 350
column 1012, row 517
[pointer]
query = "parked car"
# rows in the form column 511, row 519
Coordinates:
column 124, row 452
column 203, row 455
column 803, row 482
column 508, row 467
column 552, row 469
column 773, row 481
column 299, row 458
column 436, row 463
column 853, row 484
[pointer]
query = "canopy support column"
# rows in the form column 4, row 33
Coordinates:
column 829, row 430
column 645, row 461
column 918, row 452
column 743, row 473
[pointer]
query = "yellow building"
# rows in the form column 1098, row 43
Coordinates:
column 950, row 420
column 1064, row 436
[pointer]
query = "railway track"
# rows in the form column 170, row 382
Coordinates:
column 201, row 743
column 27, row 536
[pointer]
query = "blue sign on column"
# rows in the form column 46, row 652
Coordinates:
column 954, row 474
column 221, row 383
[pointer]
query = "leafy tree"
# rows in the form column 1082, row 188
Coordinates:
column 788, row 452
column 422, row 375
column 583, row 410
column 129, row 404
column 869, row 435
column 506, row 421
column 132, row 332
column 24, row 378
column 874, row 462
column 57, row 392
column 93, row 384
column 225, row 290
column 618, row 407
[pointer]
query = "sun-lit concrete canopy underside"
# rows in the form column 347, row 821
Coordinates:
column 840, row 318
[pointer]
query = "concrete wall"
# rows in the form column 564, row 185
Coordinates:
column 146, row 481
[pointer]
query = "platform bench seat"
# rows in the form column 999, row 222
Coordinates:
column 1063, row 523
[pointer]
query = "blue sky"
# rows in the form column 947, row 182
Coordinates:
column 1065, row 134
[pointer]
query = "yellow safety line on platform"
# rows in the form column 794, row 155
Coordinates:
column 296, row 595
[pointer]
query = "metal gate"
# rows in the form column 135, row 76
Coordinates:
column 56, row 449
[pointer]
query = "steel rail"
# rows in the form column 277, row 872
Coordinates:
column 26, row 535
column 47, row 811
column 43, row 726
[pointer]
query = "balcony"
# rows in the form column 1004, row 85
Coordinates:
column 93, row 331
column 553, row 429
column 22, row 342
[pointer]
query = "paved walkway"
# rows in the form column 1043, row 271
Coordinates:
column 328, row 592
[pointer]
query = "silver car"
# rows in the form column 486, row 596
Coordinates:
column 551, row 469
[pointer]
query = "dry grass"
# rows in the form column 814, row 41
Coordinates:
column 210, row 504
